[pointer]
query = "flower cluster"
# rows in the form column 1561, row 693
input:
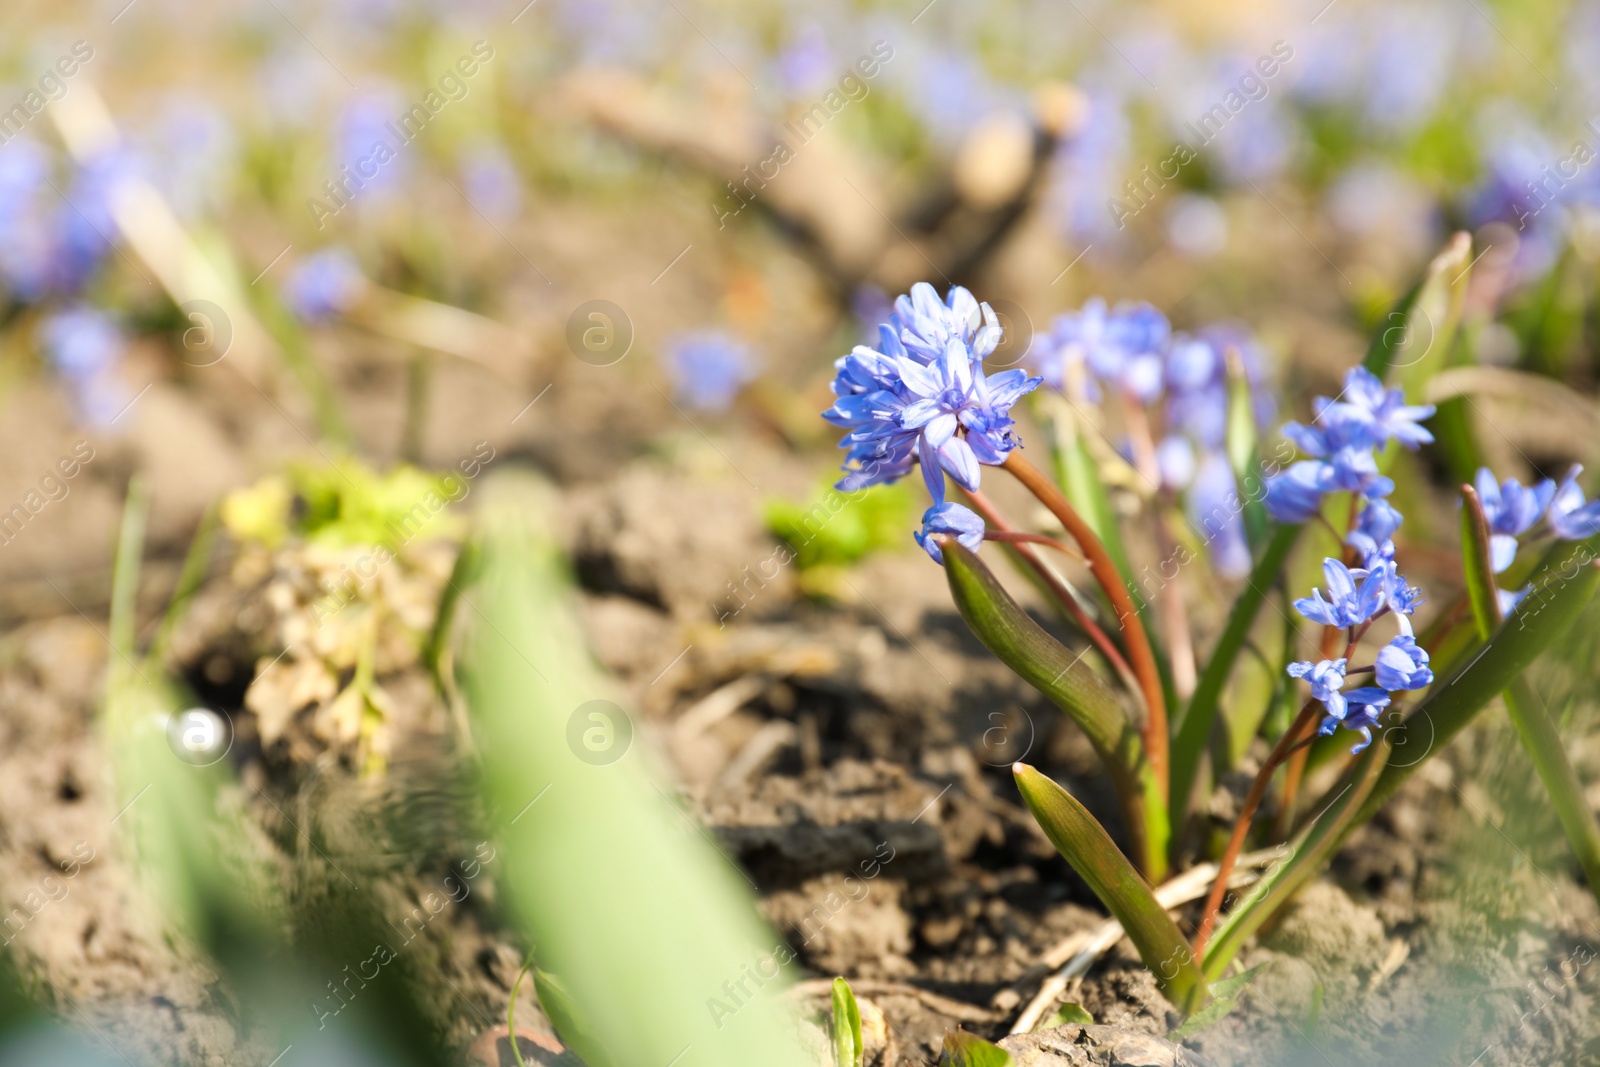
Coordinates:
column 1355, row 598
column 1515, row 513
column 1181, row 380
column 1343, row 442
column 922, row 397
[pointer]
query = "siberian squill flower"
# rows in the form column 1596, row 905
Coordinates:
column 708, row 369
column 908, row 399
column 324, row 284
column 1368, row 411
column 1511, row 509
column 1569, row 517
column 1347, row 604
column 1295, row 495
column 1359, row 714
column 1374, row 530
column 86, row 346
column 1123, row 347
column 927, row 326
column 951, row 519
column 1403, row 664
column 1326, row 678
column 953, row 394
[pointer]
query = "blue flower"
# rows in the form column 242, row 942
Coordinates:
column 1326, row 678
column 950, row 519
column 1374, row 530
column 904, row 399
column 324, row 284
column 1124, row 347
column 1295, row 495
column 1403, row 664
column 1569, row 517
column 1511, row 509
column 1367, row 410
column 1347, row 605
column 927, row 326
column 1214, row 506
column 708, row 369
column 86, row 346
column 1359, row 714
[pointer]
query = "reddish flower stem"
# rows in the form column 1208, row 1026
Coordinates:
column 1015, row 537
column 1108, row 648
column 1292, row 743
column 1140, row 655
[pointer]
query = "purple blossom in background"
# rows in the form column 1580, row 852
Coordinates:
column 1570, row 518
column 953, row 520
column 324, row 284
column 491, row 181
column 1347, row 604
column 27, row 241
column 1215, row 509
column 86, row 346
column 1296, row 494
column 708, row 369
column 1088, row 170
column 1176, row 461
column 367, row 146
column 85, row 222
column 1511, row 509
column 807, row 65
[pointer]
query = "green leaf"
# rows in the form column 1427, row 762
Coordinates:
column 567, row 1018
column 1476, row 565
column 1241, row 440
column 1068, row 1014
column 1086, row 845
column 1415, row 339
column 1043, row 662
column 847, row 1048
column 1194, row 730
column 1225, row 998
column 648, row 926
column 1313, row 847
column 962, row 1049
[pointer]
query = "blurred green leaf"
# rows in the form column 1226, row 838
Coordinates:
column 838, row 529
column 847, row 1048
column 653, row 933
column 565, row 1015
column 1089, row 849
column 1068, row 1014
column 962, row 1049
column 1072, row 685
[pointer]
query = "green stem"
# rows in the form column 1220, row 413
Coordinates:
column 1194, row 729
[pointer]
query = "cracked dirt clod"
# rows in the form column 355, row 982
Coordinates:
column 1100, row 1046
